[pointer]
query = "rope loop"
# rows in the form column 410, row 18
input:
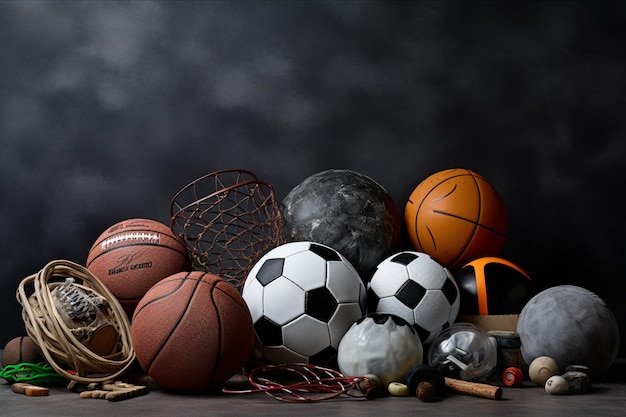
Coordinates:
column 62, row 318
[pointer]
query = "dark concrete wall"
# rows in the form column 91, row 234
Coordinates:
column 108, row 108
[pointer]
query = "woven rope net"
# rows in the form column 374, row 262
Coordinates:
column 227, row 219
column 79, row 326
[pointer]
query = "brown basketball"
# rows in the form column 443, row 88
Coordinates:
column 192, row 331
column 133, row 255
column 19, row 350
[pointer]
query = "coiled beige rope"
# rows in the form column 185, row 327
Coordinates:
column 47, row 326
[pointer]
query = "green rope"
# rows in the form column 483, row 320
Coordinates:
column 41, row 373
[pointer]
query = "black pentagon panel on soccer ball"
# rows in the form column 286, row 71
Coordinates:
column 324, row 252
column 372, row 300
column 326, row 357
column 410, row 293
column 421, row 332
column 450, row 291
column 320, row 303
column 270, row 270
column 269, row 332
column 404, row 258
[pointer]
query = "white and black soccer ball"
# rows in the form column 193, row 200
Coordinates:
column 303, row 297
column 414, row 286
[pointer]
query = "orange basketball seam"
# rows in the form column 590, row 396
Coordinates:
column 239, row 303
column 432, row 188
column 419, row 210
column 174, row 328
column 477, row 224
column 446, row 195
column 432, row 237
column 181, row 281
column 218, row 318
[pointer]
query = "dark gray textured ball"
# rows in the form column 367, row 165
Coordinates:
column 347, row 211
column 572, row 325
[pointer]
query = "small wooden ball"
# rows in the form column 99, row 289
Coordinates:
column 542, row 368
column 425, row 391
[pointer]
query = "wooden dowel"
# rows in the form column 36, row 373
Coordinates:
column 29, row 389
column 474, row 388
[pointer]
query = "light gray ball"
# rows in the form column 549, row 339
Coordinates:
column 381, row 344
column 572, row 325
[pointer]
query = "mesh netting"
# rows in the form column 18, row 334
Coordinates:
column 227, row 219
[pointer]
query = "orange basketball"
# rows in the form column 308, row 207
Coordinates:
column 133, row 255
column 456, row 216
column 192, row 331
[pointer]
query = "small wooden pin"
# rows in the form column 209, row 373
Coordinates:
column 474, row 388
column 29, row 389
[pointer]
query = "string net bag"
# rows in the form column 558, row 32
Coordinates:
column 227, row 219
column 78, row 325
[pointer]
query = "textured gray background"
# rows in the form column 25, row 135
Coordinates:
column 108, row 108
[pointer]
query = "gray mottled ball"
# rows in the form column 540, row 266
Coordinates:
column 572, row 325
column 347, row 211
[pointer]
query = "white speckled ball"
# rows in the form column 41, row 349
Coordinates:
column 557, row 385
column 381, row 344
